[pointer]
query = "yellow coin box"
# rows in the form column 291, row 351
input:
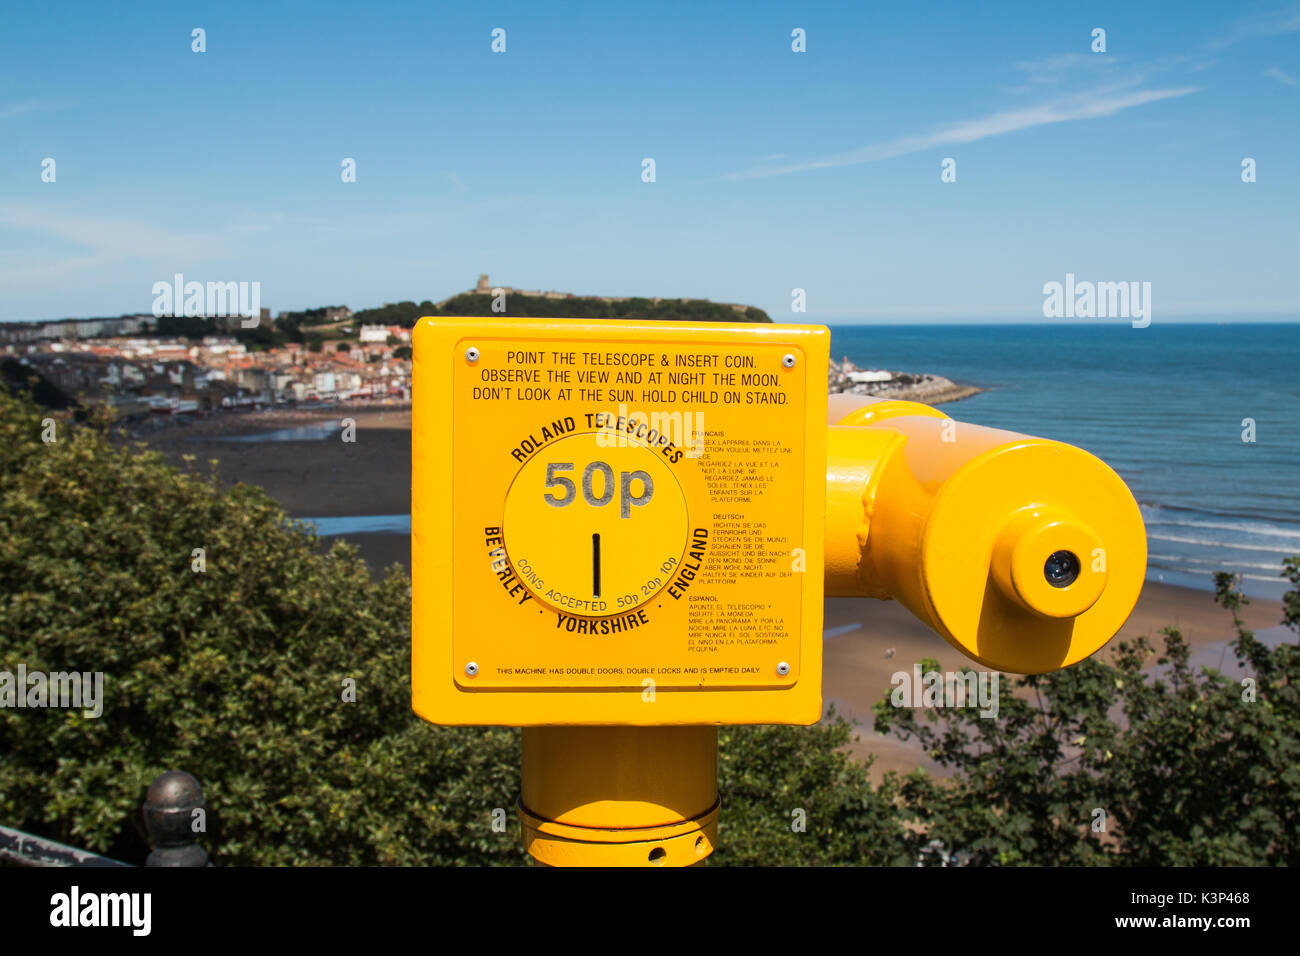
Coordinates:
column 617, row 522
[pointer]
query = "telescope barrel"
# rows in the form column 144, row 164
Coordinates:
column 1026, row 554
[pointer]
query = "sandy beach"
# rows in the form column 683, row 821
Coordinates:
column 312, row 478
column 866, row 640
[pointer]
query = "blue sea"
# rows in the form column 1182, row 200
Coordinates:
column 1163, row 406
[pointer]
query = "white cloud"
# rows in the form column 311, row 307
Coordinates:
column 103, row 242
column 1090, row 106
column 108, row 238
column 1276, row 73
column 1271, row 24
column 19, row 109
column 1057, row 68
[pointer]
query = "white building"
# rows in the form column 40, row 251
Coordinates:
column 870, row 375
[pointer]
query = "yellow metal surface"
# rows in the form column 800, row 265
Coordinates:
column 1018, row 561
column 617, row 523
column 851, row 485
column 958, row 522
column 849, row 409
column 687, row 844
column 620, row 776
column 602, row 533
column 619, row 796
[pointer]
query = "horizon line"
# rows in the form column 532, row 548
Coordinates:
column 1235, row 318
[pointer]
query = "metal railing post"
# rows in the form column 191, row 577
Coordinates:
column 169, row 814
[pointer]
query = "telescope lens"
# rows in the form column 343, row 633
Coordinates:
column 1061, row 569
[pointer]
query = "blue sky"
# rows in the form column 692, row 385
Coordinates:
column 775, row 170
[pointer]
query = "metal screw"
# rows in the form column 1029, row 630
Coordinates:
column 789, row 360
column 783, row 668
column 471, row 668
column 471, row 354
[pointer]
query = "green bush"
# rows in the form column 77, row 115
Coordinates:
column 528, row 306
column 235, row 673
column 792, row 796
column 1186, row 768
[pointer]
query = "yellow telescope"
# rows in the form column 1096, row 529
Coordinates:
column 623, row 532
column 1025, row 554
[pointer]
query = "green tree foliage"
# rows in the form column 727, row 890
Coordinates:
column 260, row 337
column 185, row 326
column 1189, row 768
column 235, row 673
column 285, row 328
column 1291, row 600
column 792, row 796
column 316, row 316
column 526, row 306
column 405, row 314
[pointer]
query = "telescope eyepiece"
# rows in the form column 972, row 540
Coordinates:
column 1061, row 569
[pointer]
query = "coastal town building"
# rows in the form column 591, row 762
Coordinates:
column 20, row 332
column 137, row 373
column 142, row 375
